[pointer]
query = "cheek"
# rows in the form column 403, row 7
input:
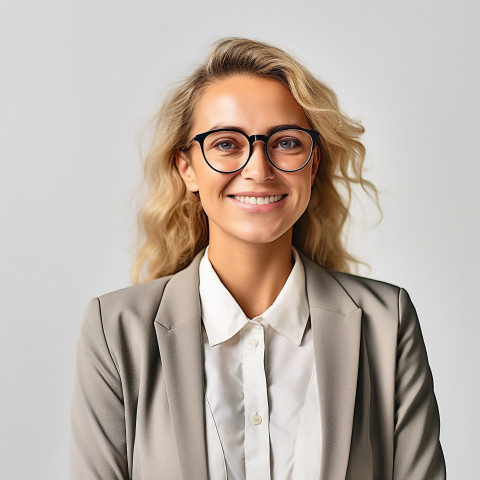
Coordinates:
column 211, row 188
column 303, row 185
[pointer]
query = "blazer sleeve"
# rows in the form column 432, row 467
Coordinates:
column 418, row 454
column 98, row 439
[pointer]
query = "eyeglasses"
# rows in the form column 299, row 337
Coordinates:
column 229, row 150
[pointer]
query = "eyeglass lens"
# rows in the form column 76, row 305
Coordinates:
column 228, row 151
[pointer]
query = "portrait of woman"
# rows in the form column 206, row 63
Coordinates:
column 248, row 349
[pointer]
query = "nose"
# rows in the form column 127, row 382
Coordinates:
column 258, row 167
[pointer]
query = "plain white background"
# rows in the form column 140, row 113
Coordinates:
column 80, row 78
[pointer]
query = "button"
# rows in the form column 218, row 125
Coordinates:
column 257, row 419
column 253, row 342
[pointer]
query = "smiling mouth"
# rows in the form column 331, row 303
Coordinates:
column 258, row 200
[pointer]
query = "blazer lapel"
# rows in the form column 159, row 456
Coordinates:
column 336, row 329
column 178, row 328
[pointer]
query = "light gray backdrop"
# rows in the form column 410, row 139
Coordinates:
column 78, row 80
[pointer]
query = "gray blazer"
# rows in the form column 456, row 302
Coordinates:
column 138, row 402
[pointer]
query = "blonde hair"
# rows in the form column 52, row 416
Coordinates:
column 173, row 227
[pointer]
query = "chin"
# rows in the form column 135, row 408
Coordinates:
column 263, row 237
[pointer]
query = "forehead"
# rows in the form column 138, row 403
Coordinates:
column 254, row 104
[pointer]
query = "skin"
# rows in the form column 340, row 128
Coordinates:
column 249, row 245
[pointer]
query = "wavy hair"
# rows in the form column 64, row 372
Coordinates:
column 172, row 225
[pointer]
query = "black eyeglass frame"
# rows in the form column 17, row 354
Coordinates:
column 200, row 138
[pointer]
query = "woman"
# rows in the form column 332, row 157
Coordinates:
column 248, row 354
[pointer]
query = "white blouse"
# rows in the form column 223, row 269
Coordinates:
column 262, row 407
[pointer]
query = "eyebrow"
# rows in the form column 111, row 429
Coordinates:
column 269, row 131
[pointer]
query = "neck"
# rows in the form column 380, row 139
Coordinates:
column 253, row 273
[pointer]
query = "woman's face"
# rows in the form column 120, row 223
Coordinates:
column 254, row 105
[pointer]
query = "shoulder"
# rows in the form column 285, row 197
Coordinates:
column 129, row 311
column 364, row 291
column 377, row 297
column 345, row 292
column 120, row 323
column 141, row 300
column 382, row 304
column 335, row 287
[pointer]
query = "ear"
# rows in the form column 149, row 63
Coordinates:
column 186, row 171
column 315, row 162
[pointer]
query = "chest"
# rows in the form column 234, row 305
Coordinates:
column 258, row 386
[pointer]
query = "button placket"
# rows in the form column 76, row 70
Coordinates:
column 257, row 442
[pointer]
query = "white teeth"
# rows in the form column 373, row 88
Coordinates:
column 258, row 200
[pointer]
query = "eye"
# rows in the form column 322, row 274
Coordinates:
column 225, row 145
column 287, row 143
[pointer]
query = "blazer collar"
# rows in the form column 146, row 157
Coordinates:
column 336, row 329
